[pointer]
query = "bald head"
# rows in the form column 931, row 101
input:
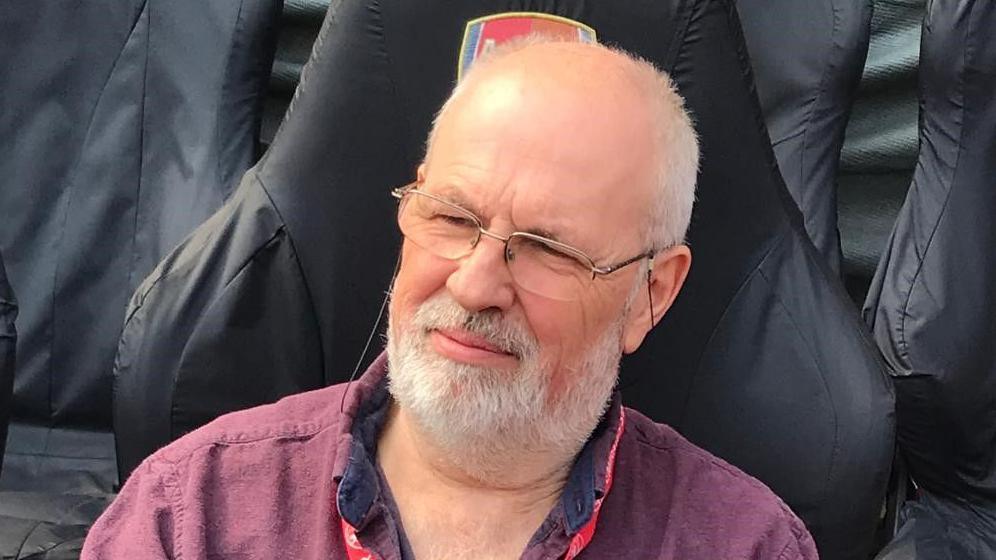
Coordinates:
column 615, row 108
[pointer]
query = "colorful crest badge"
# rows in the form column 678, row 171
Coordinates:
column 485, row 33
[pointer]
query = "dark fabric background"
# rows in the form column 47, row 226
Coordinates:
column 881, row 143
column 879, row 151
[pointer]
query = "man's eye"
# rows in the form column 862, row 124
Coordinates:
column 454, row 220
column 548, row 250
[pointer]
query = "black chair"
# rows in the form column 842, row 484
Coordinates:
column 807, row 63
column 762, row 359
column 124, row 126
column 933, row 300
column 8, row 340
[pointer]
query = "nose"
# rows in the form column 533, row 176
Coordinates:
column 482, row 280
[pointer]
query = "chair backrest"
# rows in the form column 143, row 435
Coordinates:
column 807, row 63
column 761, row 359
column 932, row 305
column 122, row 130
column 8, row 340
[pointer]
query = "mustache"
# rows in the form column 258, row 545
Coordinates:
column 442, row 312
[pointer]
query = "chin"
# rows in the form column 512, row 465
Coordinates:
column 493, row 415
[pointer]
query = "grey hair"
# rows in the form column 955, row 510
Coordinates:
column 678, row 157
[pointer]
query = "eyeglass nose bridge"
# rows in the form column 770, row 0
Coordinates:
column 481, row 232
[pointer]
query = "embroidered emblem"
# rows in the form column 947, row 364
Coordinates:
column 485, row 33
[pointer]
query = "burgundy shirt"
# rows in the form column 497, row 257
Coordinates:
column 276, row 480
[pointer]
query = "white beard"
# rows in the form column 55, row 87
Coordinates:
column 486, row 419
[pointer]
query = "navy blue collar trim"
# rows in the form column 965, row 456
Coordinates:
column 359, row 487
column 583, row 485
column 578, row 499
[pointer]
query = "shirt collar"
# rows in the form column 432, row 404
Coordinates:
column 366, row 406
column 363, row 409
column 586, row 481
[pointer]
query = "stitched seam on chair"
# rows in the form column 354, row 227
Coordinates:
column 71, row 190
column 233, row 47
column 743, row 57
column 807, row 134
column 317, row 47
column 903, row 346
column 739, row 43
column 680, row 31
column 407, row 112
column 722, row 317
column 242, row 267
column 831, row 468
column 300, row 270
column 141, row 294
column 24, row 541
column 207, row 309
column 729, row 11
column 141, row 150
column 167, row 271
column 784, row 139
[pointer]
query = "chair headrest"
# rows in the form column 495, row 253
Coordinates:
column 759, row 339
column 378, row 73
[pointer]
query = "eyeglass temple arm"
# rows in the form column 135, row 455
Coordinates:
column 614, row 267
column 650, row 291
column 650, row 272
column 400, row 192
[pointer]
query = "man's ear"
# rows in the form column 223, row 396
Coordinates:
column 420, row 173
column 668, row 273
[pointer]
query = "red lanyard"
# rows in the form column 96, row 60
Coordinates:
column 354, row 549
column 357, row 551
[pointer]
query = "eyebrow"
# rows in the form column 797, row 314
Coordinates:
column 549, row 235
column 455, row 196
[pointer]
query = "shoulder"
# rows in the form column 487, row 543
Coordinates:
column 704, row 490
column 694, row 469
column 297, row 417
column 239, row 472
column 661, row 443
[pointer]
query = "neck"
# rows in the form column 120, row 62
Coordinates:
column 521, row 475
column 485, row 507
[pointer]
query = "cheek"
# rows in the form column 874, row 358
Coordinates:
column 420, row 276
column 566, row 331
column 559, row 330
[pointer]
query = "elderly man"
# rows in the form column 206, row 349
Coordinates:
column 543, row 238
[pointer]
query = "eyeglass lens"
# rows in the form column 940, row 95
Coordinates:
column 451, row 232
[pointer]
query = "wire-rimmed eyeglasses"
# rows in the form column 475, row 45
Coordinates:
column 537, row 264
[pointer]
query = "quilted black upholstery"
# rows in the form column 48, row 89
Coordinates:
column 933, row 302
column 762, row 359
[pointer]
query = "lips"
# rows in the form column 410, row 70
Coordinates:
column 467, row 348
column 471, row 340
